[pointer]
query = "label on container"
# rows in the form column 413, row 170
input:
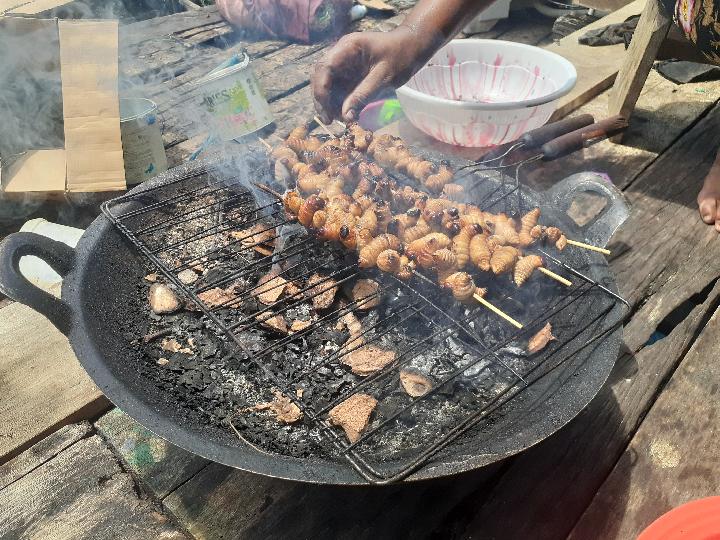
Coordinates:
column 235, row 104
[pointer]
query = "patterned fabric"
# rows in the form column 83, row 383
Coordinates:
column 700, row 22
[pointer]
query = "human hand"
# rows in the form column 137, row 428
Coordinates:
column 362, row 64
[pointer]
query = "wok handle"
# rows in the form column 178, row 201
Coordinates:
column 583, row 137
column 14, row 285
column 601, row 228
column 537, row 137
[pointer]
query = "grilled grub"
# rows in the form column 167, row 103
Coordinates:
column 414, row 383
column 540, row 340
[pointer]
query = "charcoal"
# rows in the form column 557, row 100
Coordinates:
column 208, row 349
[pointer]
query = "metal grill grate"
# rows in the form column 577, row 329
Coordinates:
column 473, row 357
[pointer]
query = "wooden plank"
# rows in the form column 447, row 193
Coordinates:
column 159, row 465
column 32, row 7
column 81, row 493
column 43, row 386
column 596, row 66
column 663, row 256
column 42, row 452
column 137, row 32
column 674, row 456
column 222, row 503
column 651, row 30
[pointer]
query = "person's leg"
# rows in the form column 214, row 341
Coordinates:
column 709, row 197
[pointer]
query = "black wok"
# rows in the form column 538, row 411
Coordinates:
column 100, row 289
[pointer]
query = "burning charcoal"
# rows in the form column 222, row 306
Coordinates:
column 215, row 274
column 299, row 326
column 323, row 291
column 216, row 297
column 276, row 323
column 368, row 359
column 415, row 383
column 208, row 349
column 353, row 415
column 187, row 277
column 285, row 411
column 366, row 293
column 540, row 340
column 455, row 347
column 270, row 288
column 299, row 392
column 162, row 361
column 152, row 278
column 162, row 299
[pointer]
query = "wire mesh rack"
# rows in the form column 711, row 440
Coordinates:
column 478, row 370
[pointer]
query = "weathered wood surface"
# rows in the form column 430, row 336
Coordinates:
column 673, row 457
column 664, row 111
column 220, row 501
column 80, row 494
column 596, row 68
column 43, row 387
column 662, row 257
column 42, row 452
column 651, row 30
column 150, row 29
column 159, row 465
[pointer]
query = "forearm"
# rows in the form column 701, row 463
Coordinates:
column 435, row 22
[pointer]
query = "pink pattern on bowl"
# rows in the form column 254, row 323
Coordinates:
column 485, row 92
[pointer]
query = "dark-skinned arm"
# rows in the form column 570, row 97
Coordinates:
column 361, row 64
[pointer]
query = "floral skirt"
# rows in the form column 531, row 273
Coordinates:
column 700, row 22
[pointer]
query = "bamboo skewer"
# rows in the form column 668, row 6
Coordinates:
column 497, row 311
column 556, row 277
column 589, row 246
column 266, row 144
column 324, row 127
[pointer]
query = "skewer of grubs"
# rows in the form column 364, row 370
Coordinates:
column 324, row 127
column 477, row 295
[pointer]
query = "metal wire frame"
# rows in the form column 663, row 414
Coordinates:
column 440, row 323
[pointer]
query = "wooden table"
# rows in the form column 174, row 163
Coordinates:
column 646, row 444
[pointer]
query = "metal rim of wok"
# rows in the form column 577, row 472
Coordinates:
column 97, row 294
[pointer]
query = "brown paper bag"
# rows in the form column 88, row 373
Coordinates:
column 64, row 133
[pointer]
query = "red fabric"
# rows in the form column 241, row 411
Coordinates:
column 276, row 18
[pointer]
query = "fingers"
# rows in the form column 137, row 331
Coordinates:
column 332, row 75
column 375, row 80
column 717, row 215
column 321, row 82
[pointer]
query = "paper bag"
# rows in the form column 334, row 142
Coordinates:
column 62, row 94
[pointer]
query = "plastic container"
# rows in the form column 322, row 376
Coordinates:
column 143, row 148
column 500, row 9
column 37, row 271
column 482, row 92
column 231, row 101
column 696, row 520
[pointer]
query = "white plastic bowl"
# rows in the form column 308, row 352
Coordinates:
column 484, row 92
